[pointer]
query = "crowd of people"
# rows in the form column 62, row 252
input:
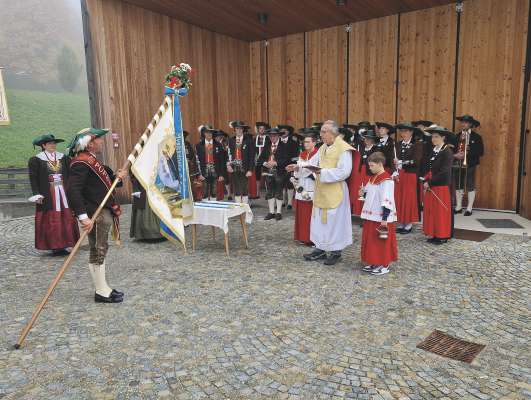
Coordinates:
column 325, row 172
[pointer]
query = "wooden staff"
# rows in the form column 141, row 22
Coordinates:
column 130, row 159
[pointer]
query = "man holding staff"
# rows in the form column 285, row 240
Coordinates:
column 331, row 224
column 89, row 183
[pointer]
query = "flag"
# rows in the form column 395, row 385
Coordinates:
column 4, row 115
column 162, row 169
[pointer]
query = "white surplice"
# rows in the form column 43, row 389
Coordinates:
column 336, row 233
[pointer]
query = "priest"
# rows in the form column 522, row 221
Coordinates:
column 331, row 224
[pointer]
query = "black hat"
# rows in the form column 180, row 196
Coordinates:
column 440, row 131
column 409, row 126
column 289, row 128
column 205, row 128
column 345, row 132
column 317, row 125
column 45, row 138
column 469, row 118
column 351, row 126
column 264, row 124
column 422, row 122
column 186, row 134
column 390, row 127
column 238, row 124
column 273, row 131
column 219, row 132
column 364, row 124
column 369, row 134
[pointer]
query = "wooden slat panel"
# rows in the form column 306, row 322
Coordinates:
column 372, row 70
column 525, row 199
column 326, row 74
column 492, row 58
column 258, row 82
column 427, row 65
column 285, row 58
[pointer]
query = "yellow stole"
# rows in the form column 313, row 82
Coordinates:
column 329, row 195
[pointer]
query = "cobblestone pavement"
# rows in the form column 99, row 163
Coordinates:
column 263, row 324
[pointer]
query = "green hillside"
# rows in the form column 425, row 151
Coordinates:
column 32, row 113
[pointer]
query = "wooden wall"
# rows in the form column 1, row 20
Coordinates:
column 491, row 72
column 403, row 67
column 134, row 48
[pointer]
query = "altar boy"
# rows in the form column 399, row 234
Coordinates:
column 378, row 243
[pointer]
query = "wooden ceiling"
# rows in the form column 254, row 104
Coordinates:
column 239, row 18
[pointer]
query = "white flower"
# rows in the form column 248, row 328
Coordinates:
column 185, row 67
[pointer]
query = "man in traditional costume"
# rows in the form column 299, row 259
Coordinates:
column 211, row 161
column 259, row 145
column 88, row 185
column 274, row 159
column 331, row 224
column 438, row 218
column 56, row 227
column 305, row 187
column 223, row 186
column 292, row 151
column 469, row 151
column 378, row 243
column 409, row 153
column 194, row 170
column 241, row 162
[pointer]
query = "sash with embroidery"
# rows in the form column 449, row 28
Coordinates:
column 99, row 169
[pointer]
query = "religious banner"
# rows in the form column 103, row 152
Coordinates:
column 161, row 166
column 4, row 115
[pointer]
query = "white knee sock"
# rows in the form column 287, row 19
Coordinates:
column 279, row 206
column 290, row 197
column 245, row 199
column 459, row 199
column 271, row 203
column 238, row 199
column 98, row 277
column 471, row 198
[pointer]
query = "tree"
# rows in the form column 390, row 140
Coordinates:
column 68, row 69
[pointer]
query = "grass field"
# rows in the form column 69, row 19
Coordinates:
column 32, row 113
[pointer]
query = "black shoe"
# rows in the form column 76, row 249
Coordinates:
column 60, row 252
column 332, row 259
column 113, row 298
column 468, row 213
column 458, row 211
column 269, row 216
column 278, row 217
column 289, row 207
column 399, row 230
column 405, row 231
column 440, row 241
column 117, row 292
column 315, row 255
column 229, row 198
column 431, row 240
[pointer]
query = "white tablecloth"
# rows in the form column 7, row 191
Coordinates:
column 206, row 214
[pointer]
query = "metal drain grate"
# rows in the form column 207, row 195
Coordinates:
column 447, row 346
column 499, row 223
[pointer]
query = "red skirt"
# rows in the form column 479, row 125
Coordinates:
column 437, row 219
column 421, row 194
column 303, row 216
column 55, row 230
column 220, row 190
column 407, row 210
column 376, row 251
column 363, row 178
column 197, row 189
column 253, row 189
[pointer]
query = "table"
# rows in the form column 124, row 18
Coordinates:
column 217, row 214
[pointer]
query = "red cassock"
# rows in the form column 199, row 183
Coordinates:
column 406, row 197
column 354, row 182
column 253, row 189
column 303, row 216
column 220, row 190
column 376, row 251
column 363, row 178
column 437, row 217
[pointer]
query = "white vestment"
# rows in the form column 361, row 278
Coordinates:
column 336, row 233
column 306, row 180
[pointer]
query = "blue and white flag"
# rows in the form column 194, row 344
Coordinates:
column 162, row 169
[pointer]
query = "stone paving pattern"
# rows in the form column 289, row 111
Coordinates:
column 262, row 323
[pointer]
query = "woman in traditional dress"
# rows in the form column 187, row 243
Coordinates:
column 437, row 218
column 56, row 227
column 368, row 147
column 145, row 225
